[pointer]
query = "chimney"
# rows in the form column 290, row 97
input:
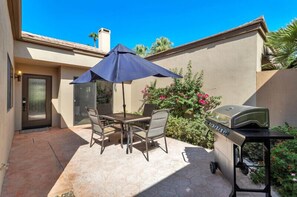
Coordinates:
column 104, row 39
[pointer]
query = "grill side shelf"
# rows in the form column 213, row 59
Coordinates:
column 262, row 134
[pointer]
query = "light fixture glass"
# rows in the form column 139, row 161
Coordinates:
column 18, row 75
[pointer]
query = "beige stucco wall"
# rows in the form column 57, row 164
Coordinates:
column 260, row 48
column 35, row 59
column 37, row 70
column 62, row 92
column 276, row 90
column 118, row 98
column 25, row 50
column 6, row 117
column 229, row 69
column 66, row 94
column 63, row 65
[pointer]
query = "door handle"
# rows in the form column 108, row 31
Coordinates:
column 24, row 104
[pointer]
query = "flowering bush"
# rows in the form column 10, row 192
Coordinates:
column 184, row 97
column 188, row 105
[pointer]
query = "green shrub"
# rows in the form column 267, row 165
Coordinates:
column 253, row 151
column 193, row 131
column 189, row 106
column 283, row 164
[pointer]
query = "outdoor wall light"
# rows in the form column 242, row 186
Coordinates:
column 3, row 166
column 18, row 75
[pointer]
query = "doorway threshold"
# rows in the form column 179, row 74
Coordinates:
column 34, row 130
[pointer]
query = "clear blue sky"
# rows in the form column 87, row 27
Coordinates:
column 140, row 22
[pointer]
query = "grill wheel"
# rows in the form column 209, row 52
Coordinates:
column 213, row 167
column 244, row 168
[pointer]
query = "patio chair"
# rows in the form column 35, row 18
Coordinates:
column 98, row 128
column 147, row 111
column 156, row 129
column 104, row 109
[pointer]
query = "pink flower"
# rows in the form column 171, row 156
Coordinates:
column 205, row 96
column 162, row 97
column 199, row 95
column 144, row 91
column 202, row 102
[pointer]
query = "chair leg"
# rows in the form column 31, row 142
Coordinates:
column 91, row 139
column 146, row 146
column 122, row 136
column 131, row 142
column 102, row 145
column 165, row 144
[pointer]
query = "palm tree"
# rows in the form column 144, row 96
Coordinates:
column 283, row 44
column 161, row 44
column 140, row 50
column 94, row 36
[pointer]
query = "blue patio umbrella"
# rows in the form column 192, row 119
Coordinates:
column 121, row 65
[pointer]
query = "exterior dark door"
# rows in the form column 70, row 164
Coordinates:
column 36, row 101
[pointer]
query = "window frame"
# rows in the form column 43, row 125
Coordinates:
column 10, row 78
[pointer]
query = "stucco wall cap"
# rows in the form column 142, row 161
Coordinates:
column 257, row 24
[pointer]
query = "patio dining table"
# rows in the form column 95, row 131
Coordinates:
column 125, row 124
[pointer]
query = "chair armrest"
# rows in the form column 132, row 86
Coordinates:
column 106, row 117
column 137, row 120
column 137, row 129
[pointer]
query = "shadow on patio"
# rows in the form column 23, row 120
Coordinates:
column 194, row 179
column 58, row 161
column 37, row 160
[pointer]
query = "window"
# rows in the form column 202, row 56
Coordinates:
column 84, row 96
column 9, row 84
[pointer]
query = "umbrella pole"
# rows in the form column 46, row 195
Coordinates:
column 124, row 103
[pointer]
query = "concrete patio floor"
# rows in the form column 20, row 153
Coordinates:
column 58, row 161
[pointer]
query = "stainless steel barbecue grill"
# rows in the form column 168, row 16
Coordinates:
column 233, row 126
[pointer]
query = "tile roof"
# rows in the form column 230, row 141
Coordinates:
column 39, row 39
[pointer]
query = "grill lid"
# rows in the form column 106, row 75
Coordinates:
column 238, row 116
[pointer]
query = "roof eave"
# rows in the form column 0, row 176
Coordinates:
column 15, row 13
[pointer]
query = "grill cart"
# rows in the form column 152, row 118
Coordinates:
column 233, row 126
